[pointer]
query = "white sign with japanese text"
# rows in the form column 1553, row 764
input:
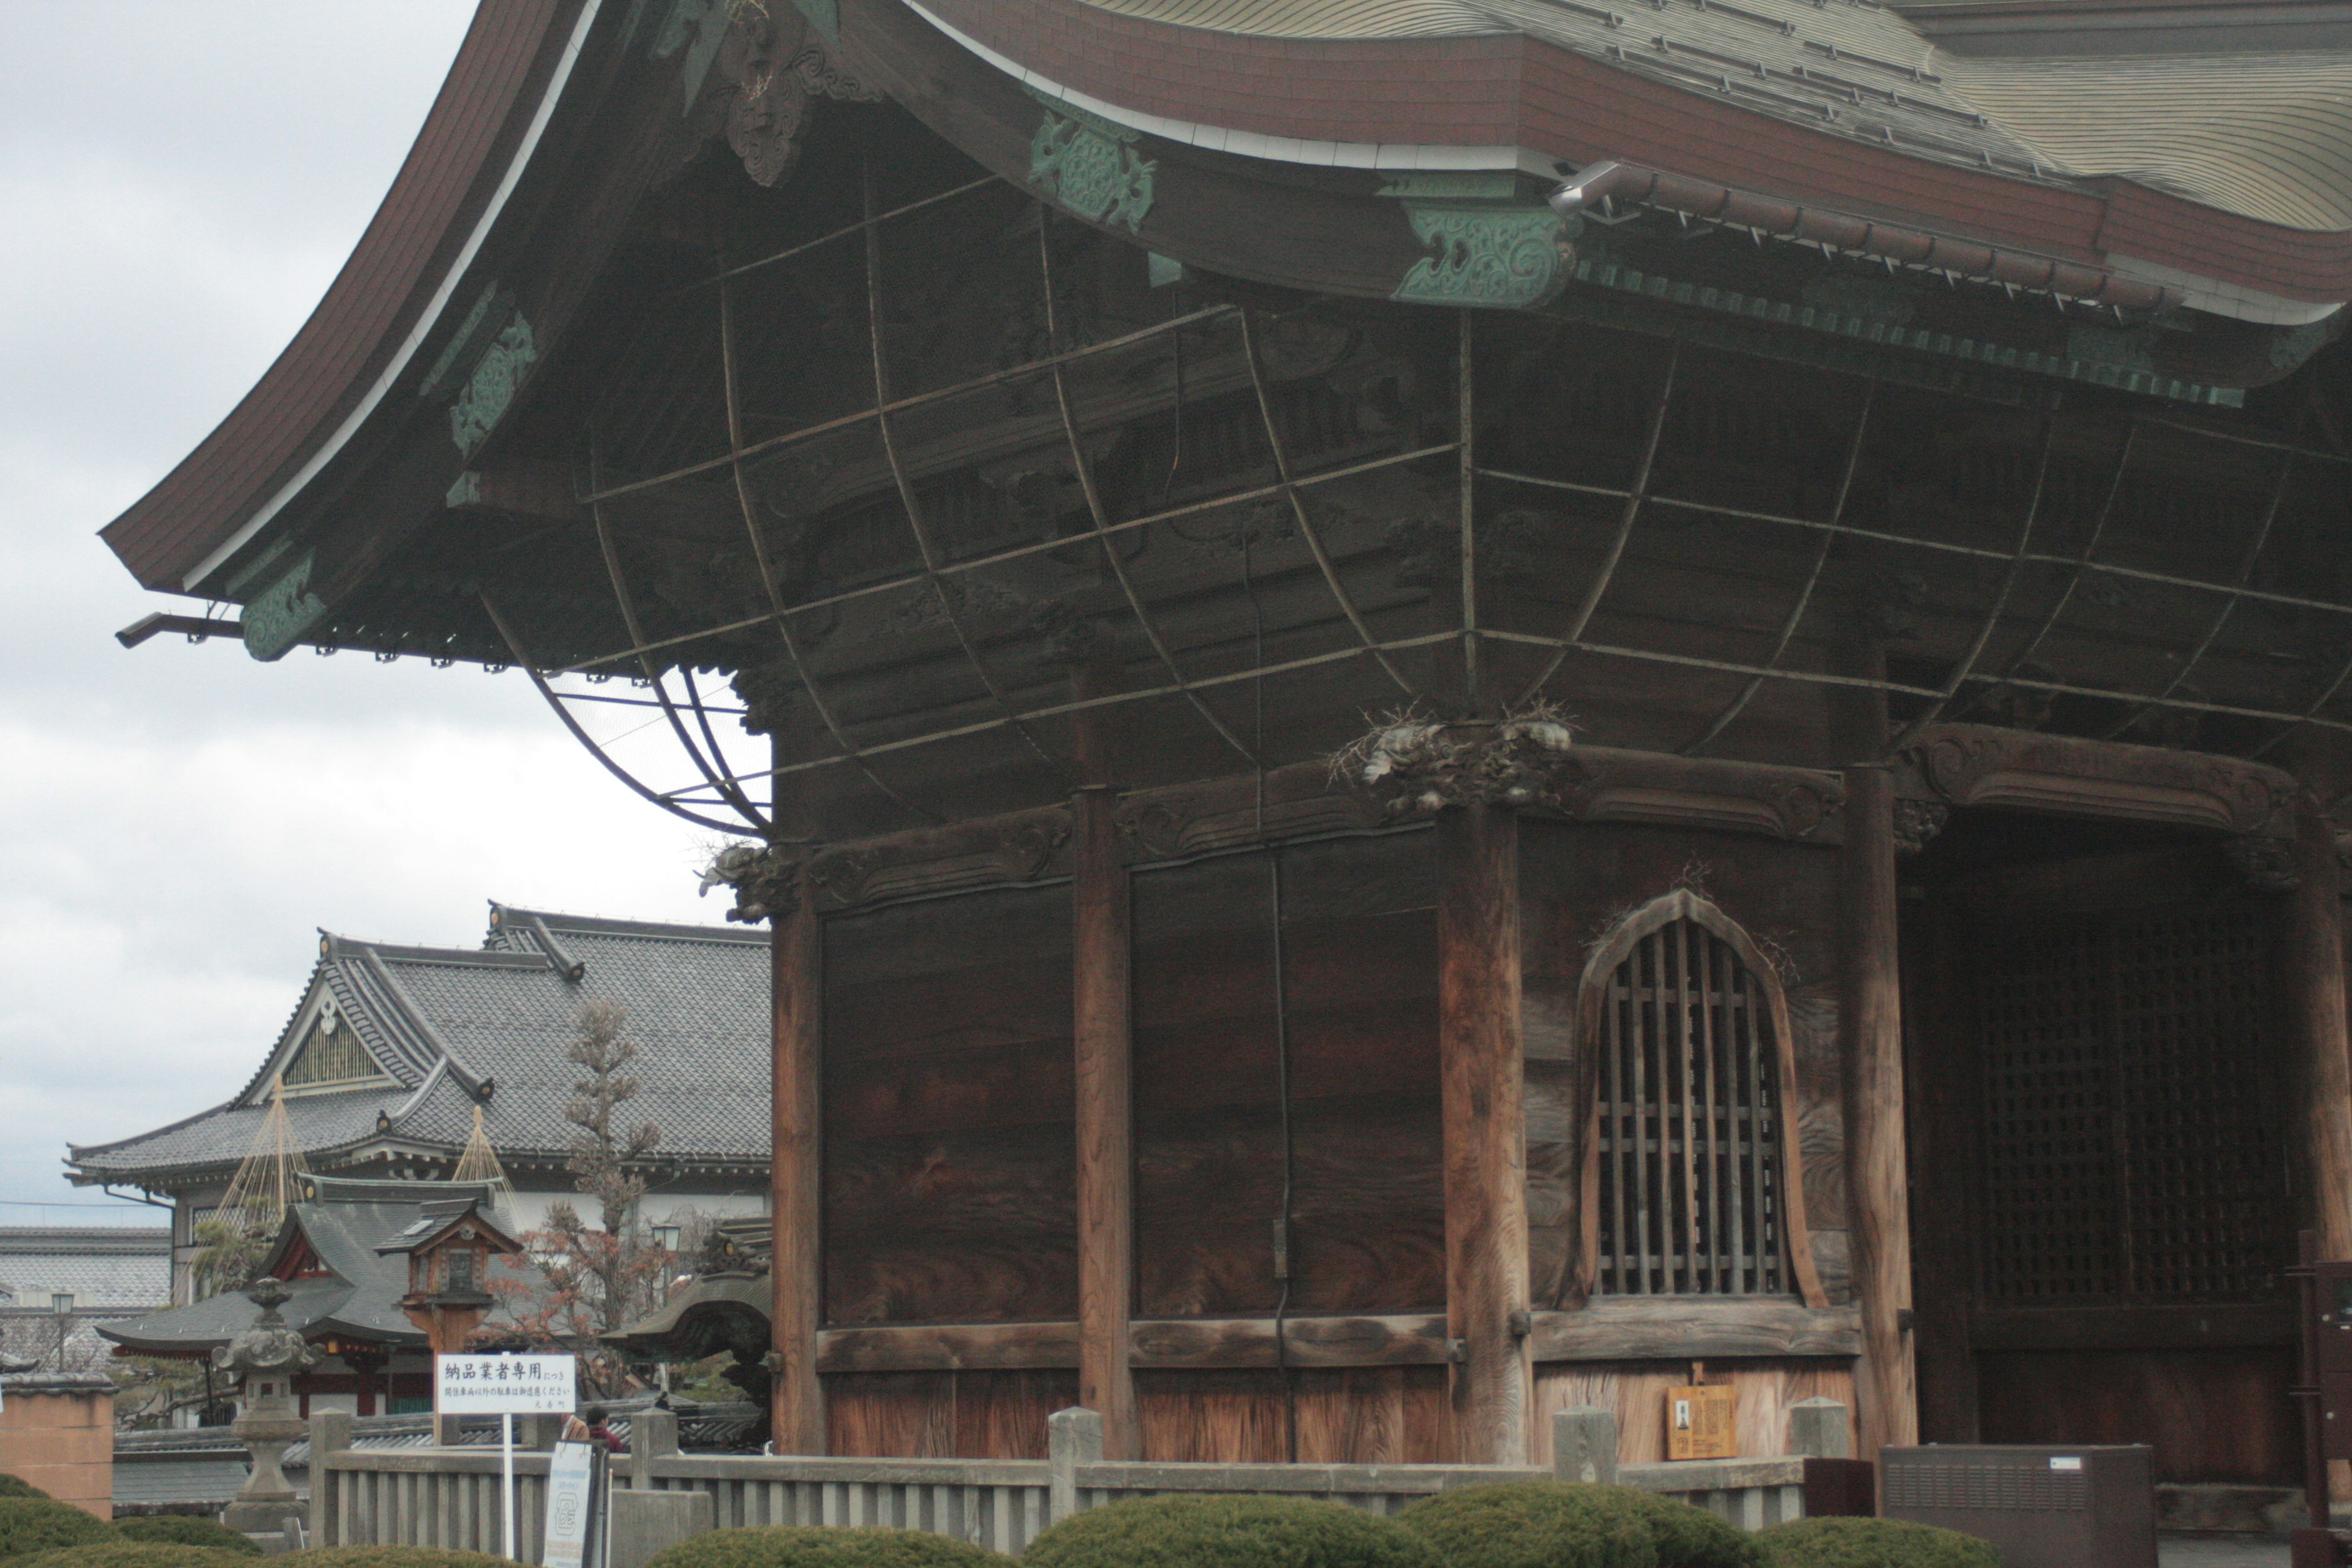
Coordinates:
column 504, row 1384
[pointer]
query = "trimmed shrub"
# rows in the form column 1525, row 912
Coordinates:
column 181, row 1530
column 1872, row 1543
column 12, row 1485
column 1562, row 1524
column 390, row 1557
column 786, row 1546
column 1195, row 1531
column 132, row 1554
column 39, row 1524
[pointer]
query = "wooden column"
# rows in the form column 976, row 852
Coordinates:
column 2314, row 1009
column 1486, row 1148
column 1106, row 1127
column 796, row 1175
column 1878, row 1199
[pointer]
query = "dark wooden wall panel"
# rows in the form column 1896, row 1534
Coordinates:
column 949, row 1181
column 1576, row 881
column 1360, row 962
column 944, row 1415
column 2212, row 1414
column 1352, row 1415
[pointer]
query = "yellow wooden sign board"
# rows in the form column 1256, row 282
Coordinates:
column 1700, row 1423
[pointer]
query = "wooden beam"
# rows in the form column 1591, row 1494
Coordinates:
column 2314, row 1006
column 1886, row 1379
column 1155, row 1343
column 1106, row 1130
column 797, row 1178
column 1482, row 1078
column 2207, row 1326
column 1689, row 1328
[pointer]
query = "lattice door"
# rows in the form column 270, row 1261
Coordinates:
column 1690, row 1190
column 2130, row 1149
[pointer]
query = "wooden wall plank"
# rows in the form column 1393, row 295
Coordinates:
column 1636, row 1392
column 945, row 1415
column 950, row 1188
column 1356, row 1415
column 2211, row 1414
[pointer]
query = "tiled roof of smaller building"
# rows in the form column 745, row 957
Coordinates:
column 98, row 1266
column 449, row 1029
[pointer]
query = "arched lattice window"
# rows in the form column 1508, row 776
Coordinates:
column 1693, row 1183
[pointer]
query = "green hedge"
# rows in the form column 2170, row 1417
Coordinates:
column 12, row 1485
column 1872, row 1543
column 180, row 1530
column 37, row 1524
column 780, row 1546
column 1560, row 1524
column 1196, row 1531
column 132, row 1554
column 389, row 1557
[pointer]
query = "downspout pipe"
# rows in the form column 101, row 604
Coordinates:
column 1602, row 185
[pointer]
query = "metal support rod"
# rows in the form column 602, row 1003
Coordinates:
column 2229, row 604
column 912, row 504
column 628, row 606
column 1632, row 511
column 906, row 405
column 1095, row 505
column 1967, row 667
column 725, row 274
column 1289, row 486
column 523, row 661
column 1022, row 551
column 1466, row 476
column 778, row 611
column 1812, row 578
column 2090, row 549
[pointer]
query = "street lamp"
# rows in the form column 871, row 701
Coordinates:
column 61, row 1308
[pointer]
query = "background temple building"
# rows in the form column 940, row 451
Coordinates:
column 391, row 1051
column 1441, row 710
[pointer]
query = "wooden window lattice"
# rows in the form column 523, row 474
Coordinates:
column 1690, row 1193
column 2130, row 1149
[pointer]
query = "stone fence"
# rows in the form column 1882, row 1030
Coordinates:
column 449, row 1498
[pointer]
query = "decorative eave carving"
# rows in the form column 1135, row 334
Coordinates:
column 1416, row 769
column 1973, row 764
column 767, row 879
column 1298, row 802
column 1005, row 849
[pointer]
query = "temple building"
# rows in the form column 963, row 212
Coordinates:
column 1438, row 711
column 394, row 1055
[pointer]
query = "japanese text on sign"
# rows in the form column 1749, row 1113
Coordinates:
column 511, row 1384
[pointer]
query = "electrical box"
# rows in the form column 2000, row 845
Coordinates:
column 1701, row 1422
column 2332, row 1348
column 2044, row 1508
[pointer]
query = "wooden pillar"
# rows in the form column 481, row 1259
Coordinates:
column 1485, row 1149
column 1106, row 1125
column 1886, row 1380
column 796, row 1175
column 2315, row 1007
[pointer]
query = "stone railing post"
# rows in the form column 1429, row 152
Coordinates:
column 1073, row 1438
column 331, row 1433
column 1819, row 1428
column 1584, row 1445
column 653, row 1435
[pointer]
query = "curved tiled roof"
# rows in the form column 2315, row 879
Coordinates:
column 2265, row 136
column 503, row 1014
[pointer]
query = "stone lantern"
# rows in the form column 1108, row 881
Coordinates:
column 265, row 1356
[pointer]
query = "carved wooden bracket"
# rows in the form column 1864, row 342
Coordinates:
column 1973, row 764
column 1001, row 851
column 1199, row 819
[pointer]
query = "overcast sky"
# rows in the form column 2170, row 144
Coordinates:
column 179, row 181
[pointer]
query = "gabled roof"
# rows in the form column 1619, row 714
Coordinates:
column 358, row 1295
column 455, row 1027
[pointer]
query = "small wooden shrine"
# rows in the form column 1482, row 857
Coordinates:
column 1451, row 710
